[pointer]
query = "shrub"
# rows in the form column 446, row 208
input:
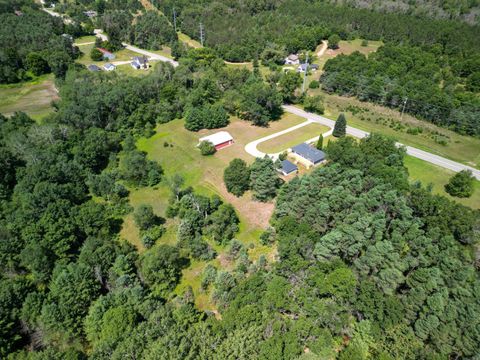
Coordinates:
column 314, row 84
column 461, row 184
column 150, row 236
column 207, row 148
column 314, row 104
column 364, row 43
column 96, row 55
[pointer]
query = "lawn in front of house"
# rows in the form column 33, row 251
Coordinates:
column 437, row 176
column 33, row 97
column 290, row 139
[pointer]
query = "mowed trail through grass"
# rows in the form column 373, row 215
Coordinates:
column 34, row 97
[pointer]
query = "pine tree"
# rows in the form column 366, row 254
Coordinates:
column 320, row 142
column 340, row 128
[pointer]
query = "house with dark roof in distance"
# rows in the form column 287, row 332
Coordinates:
column 308, row 155
column 139, row 62
column 287, row 168
column 93, row 67
column 303, row 67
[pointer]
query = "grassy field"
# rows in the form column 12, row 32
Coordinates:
column 34, row 97
column 188, row 40
column 174, row 148
column 438, row 177
column 347, row 47
column 286, row 141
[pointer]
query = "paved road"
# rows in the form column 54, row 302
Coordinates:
column 420, row 154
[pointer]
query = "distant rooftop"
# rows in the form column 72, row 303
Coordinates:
column 309, row 153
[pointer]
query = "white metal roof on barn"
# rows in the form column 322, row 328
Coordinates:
column 217, row 138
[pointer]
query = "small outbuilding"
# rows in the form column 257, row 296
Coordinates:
column 308, row 154
column 93, row 67
column 220, row 140
column 109, row 67
column 287, row 168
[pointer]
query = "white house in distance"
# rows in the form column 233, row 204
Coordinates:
column 292, row 59
column 109, row 67
column 219, row 140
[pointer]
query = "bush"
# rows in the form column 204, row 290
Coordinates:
column 314, row 84
column 150, row 236
column 461, row 184
column 237, row 177
column 333, row 41
column 314, row 104
column 364, row 43
column 144, row 217
column 207, row 148
column 96, row 55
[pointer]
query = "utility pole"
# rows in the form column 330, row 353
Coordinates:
column 403, row 108
column 202, row 34
column 305, row 74
column 174, row 19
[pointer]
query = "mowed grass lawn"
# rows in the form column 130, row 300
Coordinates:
column 437, row 176
column 34, row 97
column 290, row 139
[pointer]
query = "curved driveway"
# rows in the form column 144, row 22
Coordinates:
column 251, row 147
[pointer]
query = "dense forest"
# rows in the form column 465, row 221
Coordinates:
column 241, row 30
column 427, row 84
column 33, row 43
column 369, row 266
column 466, row 10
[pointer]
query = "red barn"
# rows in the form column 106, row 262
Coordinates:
column 219, row 140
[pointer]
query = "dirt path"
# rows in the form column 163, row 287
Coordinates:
column 323, row 49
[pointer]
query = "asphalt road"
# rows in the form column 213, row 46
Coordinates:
column 420, row 154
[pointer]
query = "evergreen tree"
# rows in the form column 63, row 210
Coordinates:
column 264, row 180
column 340, row 128
column 320, row 142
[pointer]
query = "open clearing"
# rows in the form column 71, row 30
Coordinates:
column 437, row 176
column 346, row 48
column 174, row 148
column 286, row 141
column 34, row 98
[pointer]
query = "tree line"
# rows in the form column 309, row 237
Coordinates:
column 430, row 85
